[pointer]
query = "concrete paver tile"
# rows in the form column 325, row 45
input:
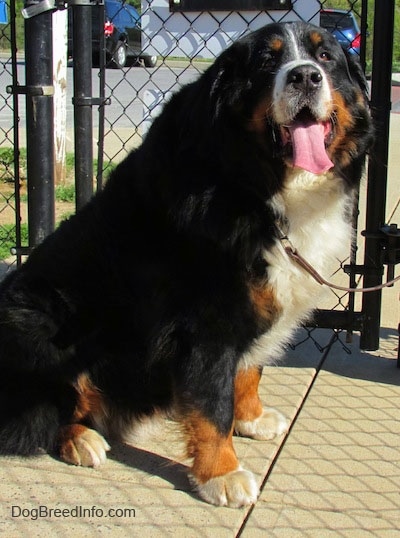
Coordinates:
column 339, row 471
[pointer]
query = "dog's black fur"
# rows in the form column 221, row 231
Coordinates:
column 146, row 290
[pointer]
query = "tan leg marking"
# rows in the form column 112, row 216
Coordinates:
column 78, row 444
column 216, row 473
column 247, row 402
column 90, row 400
column 213, row 453
column 251, row 420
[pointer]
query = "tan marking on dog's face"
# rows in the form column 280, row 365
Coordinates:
column 213, row 453
column 315, row 38
column 342, row 146
column 257, row 122
column 276, row 44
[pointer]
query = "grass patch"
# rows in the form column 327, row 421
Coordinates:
column 7, row 174
column 65, row 193
column 8, row 238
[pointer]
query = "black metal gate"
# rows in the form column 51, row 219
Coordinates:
column 130, row 88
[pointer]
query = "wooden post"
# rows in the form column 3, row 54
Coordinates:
column 60, row 36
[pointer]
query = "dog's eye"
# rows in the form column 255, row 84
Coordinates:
column 325, row 56
column 270, row 59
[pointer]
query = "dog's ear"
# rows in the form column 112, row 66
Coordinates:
column 356, row 72
column 230, row 76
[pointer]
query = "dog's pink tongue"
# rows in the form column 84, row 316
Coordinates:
column 309, row 151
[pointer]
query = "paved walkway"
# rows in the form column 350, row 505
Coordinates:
column 336, row 473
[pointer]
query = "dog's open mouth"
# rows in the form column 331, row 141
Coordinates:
column 307, row 139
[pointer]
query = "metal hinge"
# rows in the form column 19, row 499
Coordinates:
column 30, row 90
column 21, row 251
column 91, row 101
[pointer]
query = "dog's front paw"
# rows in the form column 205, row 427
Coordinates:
column 79, row 445
column 270, row 424
column 235, row 489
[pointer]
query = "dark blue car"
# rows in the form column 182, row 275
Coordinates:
column 343, row 25
column 122, row 35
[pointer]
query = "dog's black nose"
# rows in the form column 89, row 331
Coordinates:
column 305, row 77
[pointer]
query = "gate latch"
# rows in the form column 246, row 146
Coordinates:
column 389, row 236
column 391, row 248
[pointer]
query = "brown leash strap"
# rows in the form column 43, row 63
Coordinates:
column 295, row 256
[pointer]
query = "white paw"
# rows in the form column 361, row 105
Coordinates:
column 235, row 489
column 87, row 449
column 269, row 425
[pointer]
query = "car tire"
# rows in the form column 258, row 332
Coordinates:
column 150, row 61
column 120, row 55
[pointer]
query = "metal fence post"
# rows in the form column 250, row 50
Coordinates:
column 83, row 117
column 17, row 178
column 377, row 170
column 39, row 120
column 364, row 32
column 102, row 90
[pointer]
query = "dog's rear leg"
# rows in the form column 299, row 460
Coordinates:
column 251, row 419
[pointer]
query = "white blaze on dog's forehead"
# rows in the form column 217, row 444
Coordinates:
column 294, row 45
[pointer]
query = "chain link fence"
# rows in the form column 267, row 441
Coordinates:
column 171, row 43
column 11, row 173
column 185, row 43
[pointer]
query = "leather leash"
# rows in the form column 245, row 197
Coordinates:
column 296, row 257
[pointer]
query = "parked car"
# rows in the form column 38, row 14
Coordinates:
column 343, row 25
column 122, row 32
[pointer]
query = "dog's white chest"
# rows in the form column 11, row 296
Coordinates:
column 314, row 218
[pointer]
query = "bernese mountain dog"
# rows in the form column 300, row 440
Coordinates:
column 168, row 292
